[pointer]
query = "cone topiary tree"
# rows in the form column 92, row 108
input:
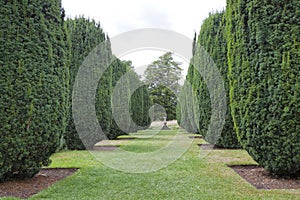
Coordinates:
column 140, row 104
column 83, row 36
column 34, row 85
column 187, row 110
column 212, row 39
column 196, row 111
column 264, row 59
column 136, row 103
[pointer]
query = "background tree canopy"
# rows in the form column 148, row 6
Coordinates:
column 162, row 77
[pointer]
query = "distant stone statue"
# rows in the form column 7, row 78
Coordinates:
column 165, row 127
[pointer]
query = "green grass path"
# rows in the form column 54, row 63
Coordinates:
column 189, row 177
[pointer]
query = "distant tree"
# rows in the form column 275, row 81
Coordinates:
column 162, row 77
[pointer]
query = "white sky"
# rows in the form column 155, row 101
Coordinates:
column 117, row 16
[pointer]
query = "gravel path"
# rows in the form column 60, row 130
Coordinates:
column 161, row 123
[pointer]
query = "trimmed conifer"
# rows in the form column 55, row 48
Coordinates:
column 83, row 36
column 264, row 59
column 33, row 83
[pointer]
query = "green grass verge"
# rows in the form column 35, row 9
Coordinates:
column 190, row 177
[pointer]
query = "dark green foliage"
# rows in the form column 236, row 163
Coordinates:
column 178, row 112
column 140, row 104
column 196, row 109
column 187, row 111
column 212, row 39
column 33, row 83
column 194, row 47
column 136, row 105
column 84, row 36
column 162, row 77
column 166, row 98
column 103, row 100
column 264, row 64
column 104, row 104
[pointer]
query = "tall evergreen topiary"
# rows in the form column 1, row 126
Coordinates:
column 136, row 104
column 187, row 110
column 33, row 83
column 140, row 104
column 212, row 39
column 196, row 104
column 104, row 103
column 84, row 35
column 264, row 62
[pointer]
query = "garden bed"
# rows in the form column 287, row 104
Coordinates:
column 261, row 179
column 30, row 186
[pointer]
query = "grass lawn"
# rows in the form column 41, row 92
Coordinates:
column 189, row 177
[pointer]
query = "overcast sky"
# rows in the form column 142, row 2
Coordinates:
column 117, row 16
